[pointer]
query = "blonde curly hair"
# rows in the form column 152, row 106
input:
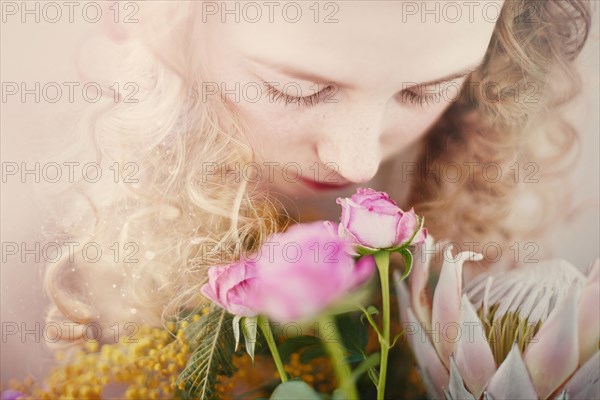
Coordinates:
column 177, row 221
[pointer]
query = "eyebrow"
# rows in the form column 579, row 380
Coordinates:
column 292, row 71
column 313, row 77
column 451, row 77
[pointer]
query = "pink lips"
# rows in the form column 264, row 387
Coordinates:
column 324, row 185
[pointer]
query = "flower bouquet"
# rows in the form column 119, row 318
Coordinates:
column 304, row 300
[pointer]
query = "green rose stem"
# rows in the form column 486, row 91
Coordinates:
column 266, row 330
column 333, row 345
column 382, row 259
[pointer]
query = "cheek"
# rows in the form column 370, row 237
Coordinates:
column 277, row 132
column 272, row 121
column 410, row 127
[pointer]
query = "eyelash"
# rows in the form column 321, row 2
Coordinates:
column 420, row 100
column 307, row 101
column 315, row 98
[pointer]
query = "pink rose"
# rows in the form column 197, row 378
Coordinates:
column 306, row 269
column 233, row 287
column 374, row 221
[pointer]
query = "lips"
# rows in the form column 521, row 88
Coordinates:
column 325, row 185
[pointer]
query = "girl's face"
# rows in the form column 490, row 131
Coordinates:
column 332, row 89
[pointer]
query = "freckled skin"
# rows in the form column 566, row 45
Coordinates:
column 372, row 54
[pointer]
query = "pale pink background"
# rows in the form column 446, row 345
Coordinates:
column 45, row 52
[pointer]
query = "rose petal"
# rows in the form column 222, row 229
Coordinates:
column 374, row 230
column 10, row 394
column 554, row 352
column 512, row 380
column 381, row 205
column 473, row 354
column 209, row 293
column 241, row 298
column 420, row 236
column 319, row 270
column 380, row 201
column 230, row 276
column 331, row 228
column 214, row 272
column 345, row 217
column 363, row 270
column 406, row 227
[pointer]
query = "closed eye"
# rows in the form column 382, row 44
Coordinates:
column 407, row 95
column 418, row 99
column 312, row 100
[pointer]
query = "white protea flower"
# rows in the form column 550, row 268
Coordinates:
column 530, row 333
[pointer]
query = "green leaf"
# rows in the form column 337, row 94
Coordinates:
column 211, row 345
column 354, row 336
column 374, row 375
column 369, row 363
column 312, row 352
column 408, row 261
column 294, row 390
column 365, row 251
column 367, row 314
column 395, row 340
column 338, row 394
column 372, row 310
column 292, row 345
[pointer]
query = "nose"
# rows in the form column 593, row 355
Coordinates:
column 352, row 144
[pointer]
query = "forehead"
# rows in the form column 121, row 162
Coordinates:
column 366, row 40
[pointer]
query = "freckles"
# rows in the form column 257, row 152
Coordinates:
column 268, row 125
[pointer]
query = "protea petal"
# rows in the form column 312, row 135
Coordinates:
column 417, row 279
column 403, row 297
column 446, row 302
column 554, row 352
column 531, row 291
column 585, row 383
column 562, row 396
column 473, row 354
column 427, row 357
column 589, row 314
column 512, row 380
column 456, row 387
column 432, row 390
